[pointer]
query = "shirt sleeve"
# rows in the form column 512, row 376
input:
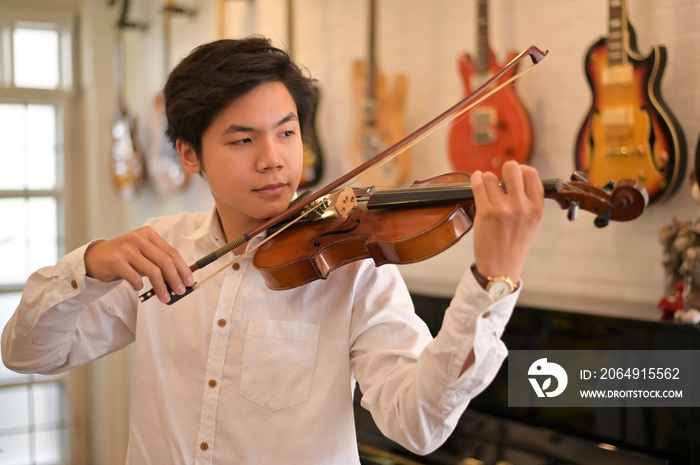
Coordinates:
column 66, row 319
column 412, row 384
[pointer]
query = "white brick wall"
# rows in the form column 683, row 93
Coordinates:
column 572, row 265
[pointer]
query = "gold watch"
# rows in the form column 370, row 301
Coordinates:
column 497, row 286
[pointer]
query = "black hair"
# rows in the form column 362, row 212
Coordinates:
column 215, row 74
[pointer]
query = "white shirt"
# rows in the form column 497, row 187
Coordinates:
column 236, row 373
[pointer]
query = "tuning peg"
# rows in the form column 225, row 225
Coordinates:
column 603, row 219
column 579, row 176
column 573, row 210
column 609, row 186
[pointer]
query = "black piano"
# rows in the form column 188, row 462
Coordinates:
column 491, row 433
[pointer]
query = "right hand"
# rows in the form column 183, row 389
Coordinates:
column 139, row 253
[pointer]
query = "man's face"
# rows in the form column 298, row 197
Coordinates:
column 252, row 155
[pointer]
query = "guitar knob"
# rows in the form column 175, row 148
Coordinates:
column 574, row 206
column 603, row 219
column 579, row 176
column 609, row 186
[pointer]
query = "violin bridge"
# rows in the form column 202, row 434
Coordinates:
column 345, row 202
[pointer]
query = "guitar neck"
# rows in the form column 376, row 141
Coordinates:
column 482, row 28
column 617, row 32
column 371, row 52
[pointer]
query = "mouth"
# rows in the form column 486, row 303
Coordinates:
column 271, row 190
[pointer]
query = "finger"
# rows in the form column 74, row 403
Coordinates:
column 167, row 265
column 534, row 189
column 492, row 188
column 512, row 175
column 478, row 189
column 181, row 267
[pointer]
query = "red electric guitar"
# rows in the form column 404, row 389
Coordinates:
column 629, row 132
column 499, row 128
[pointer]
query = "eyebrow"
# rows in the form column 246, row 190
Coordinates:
column 241, row 128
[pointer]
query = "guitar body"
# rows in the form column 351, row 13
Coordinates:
column 312, row 169
column 378, row 125
column 165, row 171
column 495, row 131
column 126, row 161
column 629, row 131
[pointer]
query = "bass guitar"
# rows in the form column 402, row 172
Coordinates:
column 313, row 157
column 497, row 130
column 378, row 122
column 165, row 171
column 126, row 161
column 629, row 132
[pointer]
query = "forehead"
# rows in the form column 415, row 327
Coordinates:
column 268, row 101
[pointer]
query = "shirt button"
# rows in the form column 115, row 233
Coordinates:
column 74, row 284
column 236, row 266
column 486, row 315
column 212, row 383
column 204, row 446
column 221, row 322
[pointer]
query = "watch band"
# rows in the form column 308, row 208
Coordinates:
column 485, row 281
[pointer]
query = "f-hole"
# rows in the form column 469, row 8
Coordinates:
column 351, row 228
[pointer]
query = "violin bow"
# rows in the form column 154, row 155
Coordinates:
column 464, row 105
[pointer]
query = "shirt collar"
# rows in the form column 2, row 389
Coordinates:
column 210, row 227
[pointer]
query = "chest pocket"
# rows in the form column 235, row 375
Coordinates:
column 278, row 362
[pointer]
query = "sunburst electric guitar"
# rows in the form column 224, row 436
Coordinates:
column 378, row 121
column 629, row 132
column 499, row 128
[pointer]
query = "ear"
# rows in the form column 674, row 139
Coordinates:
column 188, row 156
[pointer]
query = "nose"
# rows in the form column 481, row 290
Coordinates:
column 269, row 156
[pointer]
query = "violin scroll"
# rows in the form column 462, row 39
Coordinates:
column 621, row 201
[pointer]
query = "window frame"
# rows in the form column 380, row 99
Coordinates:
column 74, row 384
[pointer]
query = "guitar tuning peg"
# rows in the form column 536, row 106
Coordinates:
column 579, row 176
column 609, row 186
column 603, row 219
column 574, row 206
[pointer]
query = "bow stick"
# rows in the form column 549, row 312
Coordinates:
column 473, row 99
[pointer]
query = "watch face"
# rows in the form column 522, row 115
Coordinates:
column 499, row 289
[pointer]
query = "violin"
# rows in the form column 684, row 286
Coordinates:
column 627, row 201
column 402, row 226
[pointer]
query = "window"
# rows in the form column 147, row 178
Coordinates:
column 35, row 90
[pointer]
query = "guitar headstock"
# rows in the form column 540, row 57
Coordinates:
column 621, row 201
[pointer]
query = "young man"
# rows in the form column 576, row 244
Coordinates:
column 236, row 372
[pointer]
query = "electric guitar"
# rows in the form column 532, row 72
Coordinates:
column 499, row 128
column 126, row 161
column 312, row 169
column 378, row 123
column 629, row 132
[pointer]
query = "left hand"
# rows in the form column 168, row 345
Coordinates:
column 508, row 215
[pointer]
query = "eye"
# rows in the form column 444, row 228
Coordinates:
column 287, row 133
column 241, row 141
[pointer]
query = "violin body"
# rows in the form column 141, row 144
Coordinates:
column 496, row 131
column 311, row 250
